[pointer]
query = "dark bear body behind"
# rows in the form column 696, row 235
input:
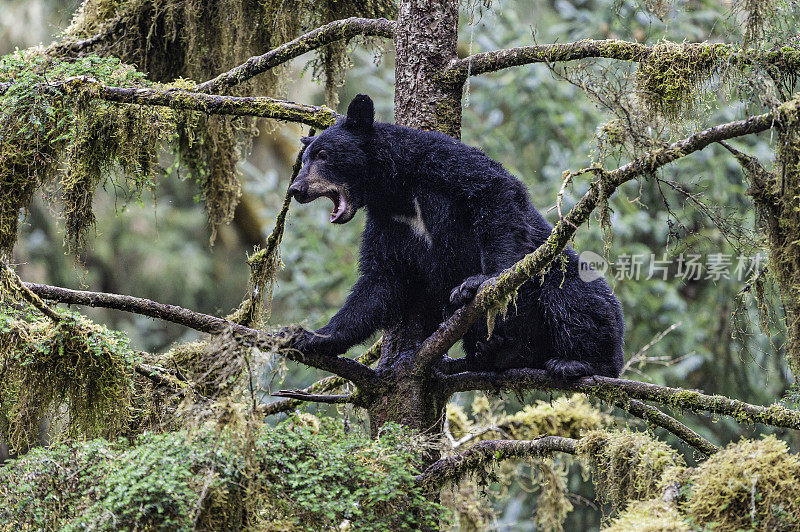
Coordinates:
column 441, row 218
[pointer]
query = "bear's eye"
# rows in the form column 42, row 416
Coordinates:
column 322, row 155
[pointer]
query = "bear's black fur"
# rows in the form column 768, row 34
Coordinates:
column 442, row 217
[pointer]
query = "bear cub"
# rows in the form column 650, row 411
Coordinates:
column 441, row 218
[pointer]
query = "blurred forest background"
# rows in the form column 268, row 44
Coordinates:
column 533, row 122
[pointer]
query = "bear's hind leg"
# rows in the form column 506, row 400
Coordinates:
column 565, row 370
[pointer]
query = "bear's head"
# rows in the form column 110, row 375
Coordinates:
column 335, row 163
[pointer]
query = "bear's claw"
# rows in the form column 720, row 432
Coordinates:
column 463, row 294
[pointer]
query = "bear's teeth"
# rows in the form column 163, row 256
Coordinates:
column 340, row 207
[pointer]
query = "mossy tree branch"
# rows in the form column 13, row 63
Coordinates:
column 654, row 416
column 623, row 390
column 498, row 289
column 324, row 35
column 153, row 373
column 257, row 106
column 323, row 385
column 786, row 58
column 342, row 366
column 482, row 454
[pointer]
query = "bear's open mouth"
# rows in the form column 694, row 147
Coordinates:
column 339, row 205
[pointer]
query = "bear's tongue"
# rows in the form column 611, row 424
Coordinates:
column 339, row 206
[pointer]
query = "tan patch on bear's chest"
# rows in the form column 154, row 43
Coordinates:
column 416, row 223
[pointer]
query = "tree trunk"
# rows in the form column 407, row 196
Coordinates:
column 426, row 43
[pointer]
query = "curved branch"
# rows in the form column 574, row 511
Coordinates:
column 498, row 289
column 342, row 366
column 481, row 454
column 786, row 58
column 258, row 106
column 323, row 385
column 327, row 34
column 654, row 416
column 613, row 390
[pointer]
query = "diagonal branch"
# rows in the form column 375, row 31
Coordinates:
column 342, row 366
column 786, row 58
column 258, row 106
column 323, row 385
column 654, row 416
column 500, row 288
column 327, row 34
column 613, row 390
column 453, row 468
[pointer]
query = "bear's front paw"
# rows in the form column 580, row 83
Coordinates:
column 464, row 293
column 295, row 338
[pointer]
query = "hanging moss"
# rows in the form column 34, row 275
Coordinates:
column 626, row 466
column 672, row 79
column 74, row 364
column 67, row 141
column 749, row 485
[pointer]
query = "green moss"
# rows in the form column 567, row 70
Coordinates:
column 73, row 371
column 67, row 141
column 671, row 80
column 305, row 474
column 749, row 485
column 649, row 516
column 626, row 466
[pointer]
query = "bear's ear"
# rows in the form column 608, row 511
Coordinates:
column 307, row 140
column 360, row 114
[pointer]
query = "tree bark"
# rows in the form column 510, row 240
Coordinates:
column 426, row 42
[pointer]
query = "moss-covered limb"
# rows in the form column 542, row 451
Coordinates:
column 324, row 385
column 342, row 366
column 497, row 290
column 111, row 29
column 11, row 278
column 786, row 58
column 654, row 416
column 257, row 106
column 334, row 31
column 480, row 455
column 495, row 60
column 610, row 389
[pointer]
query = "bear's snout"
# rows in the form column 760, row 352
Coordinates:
column 299, row 191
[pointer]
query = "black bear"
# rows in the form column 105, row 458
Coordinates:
column 442, row 217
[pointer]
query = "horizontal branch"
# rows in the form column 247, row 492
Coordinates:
column 323, row 385
column 787, row 59
column 327, row 34
column 256, row 106
column 453, row 468
column 342, row 366
column 500, row 288
column 613, row 390
column 301, row 395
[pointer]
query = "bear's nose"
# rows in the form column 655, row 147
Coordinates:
column 299, row 190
